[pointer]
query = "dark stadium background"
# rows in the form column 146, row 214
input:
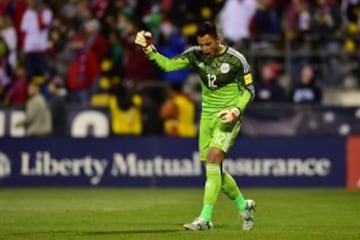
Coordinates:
column 94, row 177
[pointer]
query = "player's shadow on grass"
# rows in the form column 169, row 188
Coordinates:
column 147, row 231
column 99, row 233
column 104, row 232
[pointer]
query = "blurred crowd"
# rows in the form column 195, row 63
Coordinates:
column 82, row 52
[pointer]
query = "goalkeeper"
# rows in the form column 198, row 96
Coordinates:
column 227, row 89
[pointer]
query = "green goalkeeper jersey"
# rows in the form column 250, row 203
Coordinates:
column 225, row 80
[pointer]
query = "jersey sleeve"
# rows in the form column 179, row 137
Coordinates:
column 169, row 64
column 248, row 93
column 246, row 97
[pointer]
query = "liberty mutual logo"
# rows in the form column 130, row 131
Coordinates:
column 5, row 167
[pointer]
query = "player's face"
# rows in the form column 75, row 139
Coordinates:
column 209, row 45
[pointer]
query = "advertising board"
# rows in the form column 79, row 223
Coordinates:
column 169, row 162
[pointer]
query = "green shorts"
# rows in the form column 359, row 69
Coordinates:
column 214, row 133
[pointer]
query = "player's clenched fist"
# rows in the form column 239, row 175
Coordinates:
column 141, row 39
column 229, row 115
column 144, row 40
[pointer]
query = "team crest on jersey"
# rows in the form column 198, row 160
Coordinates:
column 201, row 65
column 225, row 68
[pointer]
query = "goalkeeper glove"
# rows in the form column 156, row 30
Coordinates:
column 229, row 115
column 144, row 40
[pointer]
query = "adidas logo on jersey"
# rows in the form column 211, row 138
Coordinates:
column 201, row 65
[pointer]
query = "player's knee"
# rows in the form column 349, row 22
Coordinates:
column 215, row 156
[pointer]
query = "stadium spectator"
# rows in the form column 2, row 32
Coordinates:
column 58, row 107
column 178, row 113
column 16, row 95
column 183, row 16
column 19, row 8
column 37, row 122
column 297, row 28
column 327, row 22
column 58, row 37
column 61, row 46
column 307, row 90
column 297, row 22
column 235, row 29
column 172, row 43
column 267, row 87
column 90, row 49
column 84, row 70
column 133, row 54
column 94, row 41
column 125, row 110
column 116, row 53
column 35, row 24
column 8, row 34
column 5, row 71
column 265, row 23
column 152, row 20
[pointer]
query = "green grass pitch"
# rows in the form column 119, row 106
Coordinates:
column 147, row 213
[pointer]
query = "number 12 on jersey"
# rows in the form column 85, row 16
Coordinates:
column 211, row 81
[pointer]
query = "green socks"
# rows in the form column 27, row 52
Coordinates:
column 212, row 188
column 216, row 181
column 230, row 189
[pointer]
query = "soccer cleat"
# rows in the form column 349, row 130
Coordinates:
column 198, row 224
column 248, row 214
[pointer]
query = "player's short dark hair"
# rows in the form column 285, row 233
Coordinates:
column 207, row 28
